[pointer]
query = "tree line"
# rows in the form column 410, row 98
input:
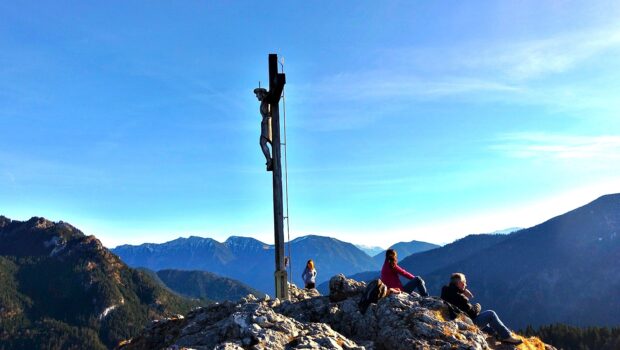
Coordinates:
column 567, row 337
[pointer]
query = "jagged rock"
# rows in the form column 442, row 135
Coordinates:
column 298, row 294
column 4, row 221
column 341, row 288
column 250, row 324
column 311, row 321
column 41, row 223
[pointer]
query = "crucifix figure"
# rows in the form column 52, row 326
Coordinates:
column 270, row 134
column 265, row 125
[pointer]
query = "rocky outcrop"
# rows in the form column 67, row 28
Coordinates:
column 341, row 288
column 311, row 321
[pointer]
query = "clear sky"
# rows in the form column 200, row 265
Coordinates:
column 135, row 120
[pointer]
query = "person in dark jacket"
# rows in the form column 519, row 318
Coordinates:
column 457, row 294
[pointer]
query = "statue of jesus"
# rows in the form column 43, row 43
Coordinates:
column 265, row 125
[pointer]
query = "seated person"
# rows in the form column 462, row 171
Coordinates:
column 457, row 294
column 391, row 270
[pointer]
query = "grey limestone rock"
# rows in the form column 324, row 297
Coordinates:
column 311, row 321
column 341, row 288
column 298, row 294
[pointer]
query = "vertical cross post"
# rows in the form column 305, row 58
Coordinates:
column 276, row 86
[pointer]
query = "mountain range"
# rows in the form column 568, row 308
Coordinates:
column 405, row 249
column 370, row 250
column 247, row 259
column 426, row 262
column 563, row 270
column 61, row 289
column 564, row 267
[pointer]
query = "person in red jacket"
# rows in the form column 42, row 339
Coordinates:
column 391, row 270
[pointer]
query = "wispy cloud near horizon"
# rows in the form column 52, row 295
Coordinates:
column 558, row 146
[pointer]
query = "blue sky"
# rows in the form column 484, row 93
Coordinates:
column 135, row 121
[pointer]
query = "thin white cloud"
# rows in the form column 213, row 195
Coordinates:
column 556, row 146
column 360, row 99
column 557, row 55
column 385, row 85
column 490, row 71
column 509, row 61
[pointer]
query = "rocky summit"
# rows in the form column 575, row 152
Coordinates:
column 311, row 321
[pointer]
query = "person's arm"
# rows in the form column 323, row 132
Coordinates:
column 463, row 303
column 403, row 272
column 477, row 308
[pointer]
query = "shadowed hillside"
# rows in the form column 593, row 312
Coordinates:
column 563, row 270
column 429, row 261
column 206, row 285
column 64, row 289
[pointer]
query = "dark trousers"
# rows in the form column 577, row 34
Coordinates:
column 310, row 285
column 416, row 283
column 489, row 322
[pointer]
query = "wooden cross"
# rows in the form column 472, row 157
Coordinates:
column 276, row 86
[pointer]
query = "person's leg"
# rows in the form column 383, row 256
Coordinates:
column 416, row 283
column 263, row 145
column 422, row 287
column 488, row 330
column 410, row 286
column 489, row 318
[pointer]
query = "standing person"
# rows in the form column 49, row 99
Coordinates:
column 457, row 294
column 391, row 270
column 309, row 275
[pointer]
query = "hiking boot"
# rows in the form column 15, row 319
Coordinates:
column 512, row 340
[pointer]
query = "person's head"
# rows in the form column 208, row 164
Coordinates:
column 458, row 279
column 260, row 93
column 310, row 264
column 391, row 256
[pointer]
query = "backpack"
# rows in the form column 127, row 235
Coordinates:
column 374, row 291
